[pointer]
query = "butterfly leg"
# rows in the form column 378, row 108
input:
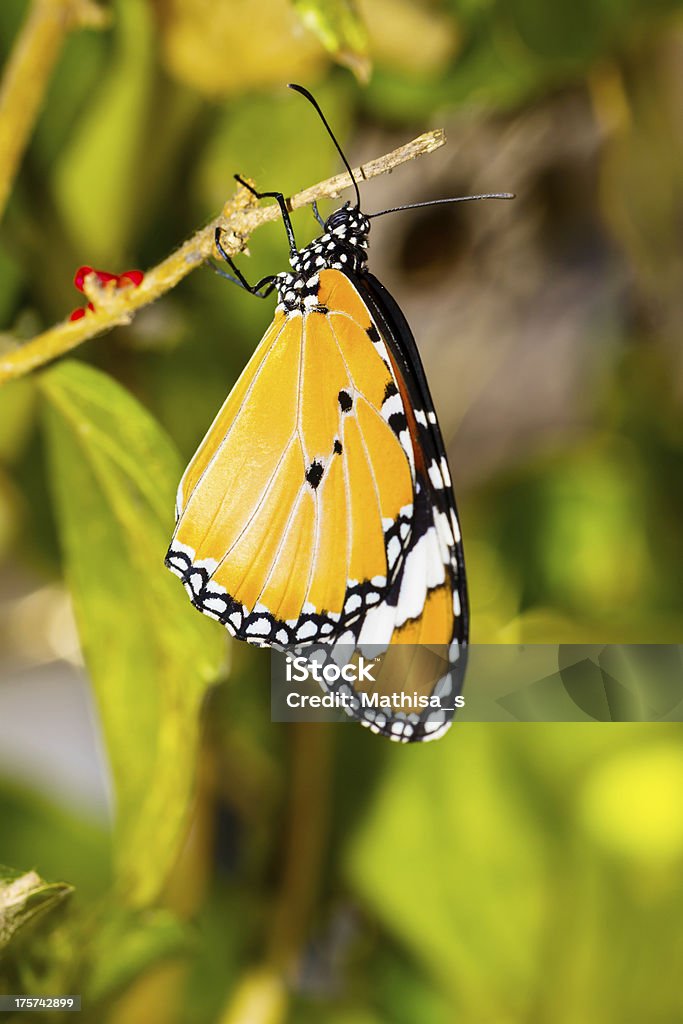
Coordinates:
column 282, row 203
column 239, row 278
column 316, row 214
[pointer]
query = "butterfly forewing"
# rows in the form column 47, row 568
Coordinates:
column 295, row 512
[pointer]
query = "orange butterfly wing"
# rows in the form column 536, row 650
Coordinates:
column 293, row 515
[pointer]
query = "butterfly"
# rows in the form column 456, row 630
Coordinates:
column 318, row 512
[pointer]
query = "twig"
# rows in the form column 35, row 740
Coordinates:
column 28, row 72
column 240, row 217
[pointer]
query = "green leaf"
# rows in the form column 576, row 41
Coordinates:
column 341, row 30
column 450, row 861
column 96, row 175
column 23, row 897
column 149, row 654
column 16, row 417
column 129, row 944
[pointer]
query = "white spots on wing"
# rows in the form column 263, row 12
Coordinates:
column 436, row 724
column 210, row 564
column 307, row 631
column 443, row 527
column 182, row 549
column 392, row 405
column 259, row 627
column 456, row 526
column 176, row 566
column 196, row 580
column 424, row 570
column 435, row 476
column 179, row 500
column 407, row 445
column 444, row 686
column 393, row 551
column 378, row 625
column 420, row 417
column 445, row 535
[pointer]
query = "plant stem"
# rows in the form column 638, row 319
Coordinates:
column 262, row 995
column 305, row 844
column 28, row 72
column 240, row 217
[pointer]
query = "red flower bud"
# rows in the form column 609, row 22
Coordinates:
column 125, row 280
column 104, row 277
column 133, row 276
column 80, row 276
column 78, row 314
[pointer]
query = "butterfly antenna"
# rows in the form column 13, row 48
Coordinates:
column 312, row 100
column 440, row 202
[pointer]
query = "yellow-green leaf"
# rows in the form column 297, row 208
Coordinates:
column 341, row 30
column 149, row 654
column 95, row 177
column 128, row 944
column 23, row 897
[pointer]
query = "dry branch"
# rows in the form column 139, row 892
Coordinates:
column 240, row 217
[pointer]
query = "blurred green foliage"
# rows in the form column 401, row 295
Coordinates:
column 114, row 476
column 508, row 873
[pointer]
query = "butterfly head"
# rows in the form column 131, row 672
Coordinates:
column 342, row 246
column 348, row 222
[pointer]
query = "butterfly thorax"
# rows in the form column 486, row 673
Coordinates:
column 342, row 246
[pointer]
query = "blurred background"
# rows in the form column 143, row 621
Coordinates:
column 171, row 854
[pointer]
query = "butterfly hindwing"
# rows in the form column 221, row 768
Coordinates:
column 426, row 605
